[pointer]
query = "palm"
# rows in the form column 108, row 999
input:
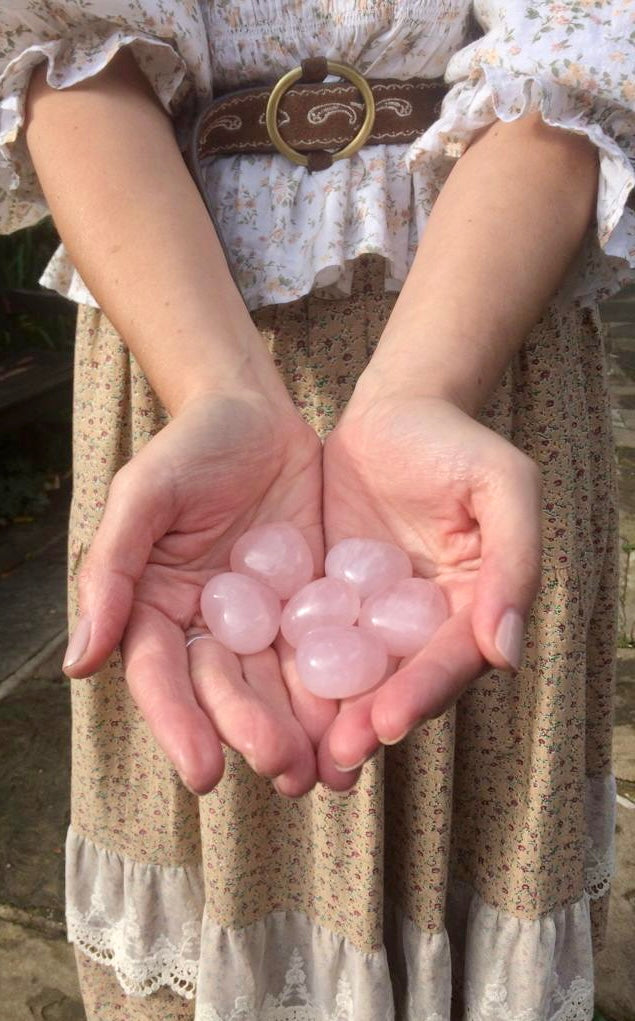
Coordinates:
column 422, row 475
column 173, row 515
column 403, row 488
column 238, row 481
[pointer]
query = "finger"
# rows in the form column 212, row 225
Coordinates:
column 266, row 738
column 314, row 714
column 328, row 773
column 351, row 739
column 262, row 674
column 430, row 682
column 137, row 513
column 157, row 674
column 509, row 574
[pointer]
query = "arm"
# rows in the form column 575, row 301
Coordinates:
column 235, row 453
column 138, row 231
column 409, row 463
column 500, row 238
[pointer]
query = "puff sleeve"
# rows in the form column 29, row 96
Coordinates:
column 77, row 39
column 574, row 62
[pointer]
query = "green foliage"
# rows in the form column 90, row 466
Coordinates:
column 34, row 457
column 34, row 460
column 22, row 489
column 23, row 257
column 23, row 331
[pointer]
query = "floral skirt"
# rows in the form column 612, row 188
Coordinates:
column 466, row 874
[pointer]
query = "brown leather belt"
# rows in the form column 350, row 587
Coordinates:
column 314, row 122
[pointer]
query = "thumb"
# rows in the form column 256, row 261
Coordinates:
column 136, row 514
column 508, row 510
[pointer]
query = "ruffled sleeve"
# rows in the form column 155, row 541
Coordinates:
column 77, row 40
column 574, row 62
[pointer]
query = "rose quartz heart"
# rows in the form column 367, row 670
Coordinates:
column 335, row 662
column 241, row 612
column 276, row 554
column 406, row 615
column 369, row 564
column 321, row 602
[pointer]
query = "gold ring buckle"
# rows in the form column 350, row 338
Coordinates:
column 289, row 79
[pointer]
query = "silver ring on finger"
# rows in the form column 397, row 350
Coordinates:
column 199, row 634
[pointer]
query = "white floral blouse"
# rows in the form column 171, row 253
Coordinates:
column 288, row 231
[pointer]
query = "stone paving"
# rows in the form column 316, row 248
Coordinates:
column 32, row 571
column 615, row 975
column 36, row 964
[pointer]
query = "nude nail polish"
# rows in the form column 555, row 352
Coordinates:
column 393, row 740
column 509, row 637
column 78, row 643
column 349, row 769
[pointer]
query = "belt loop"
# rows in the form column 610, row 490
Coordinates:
column 318, row 160
column 314, row 69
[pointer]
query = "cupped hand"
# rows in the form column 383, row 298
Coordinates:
column 224, row 463
column 465, row 505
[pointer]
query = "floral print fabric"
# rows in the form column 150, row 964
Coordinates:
column 486, row 833
column 288, row 231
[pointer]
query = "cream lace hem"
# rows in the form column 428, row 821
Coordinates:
column 144, row 921
column 600, row 814
column 149, row 924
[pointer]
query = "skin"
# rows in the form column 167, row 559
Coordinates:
column 407, row 462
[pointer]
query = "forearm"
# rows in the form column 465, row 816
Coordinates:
column 138, row 231
column 504, row 230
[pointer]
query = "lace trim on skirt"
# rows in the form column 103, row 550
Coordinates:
column 149, row 924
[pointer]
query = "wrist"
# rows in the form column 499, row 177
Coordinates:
column 275, row 413
column 407, row 379
column 230, row 362
column 253, row 388
column 446, row 349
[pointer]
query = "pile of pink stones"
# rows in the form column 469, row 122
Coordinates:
column 343, row 627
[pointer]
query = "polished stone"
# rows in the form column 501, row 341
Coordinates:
column 276, row 554
column 321, row 602
column 336, row 662
column 406, row 615
column 241, row 612
column 369, row 564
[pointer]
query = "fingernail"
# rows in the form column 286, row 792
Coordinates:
column 78, row 643
column 249, row 754
column 285, row 794
column 187, row 784
column 509, row 637
column 349, row 769
column 393, row 740
column 335, row 791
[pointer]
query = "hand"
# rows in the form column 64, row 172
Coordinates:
column 465, row 505
column 223, row 464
